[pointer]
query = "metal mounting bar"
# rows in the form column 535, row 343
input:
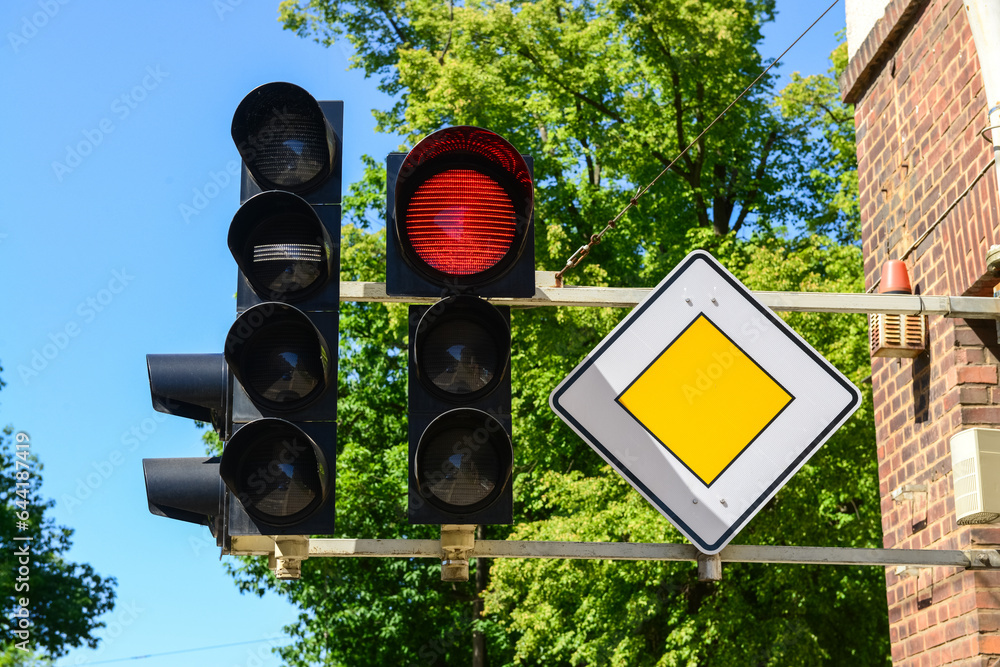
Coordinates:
column 982, row 558
column 546, row 294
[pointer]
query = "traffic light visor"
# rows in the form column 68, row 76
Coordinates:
column 284, row 138
column 280, row 245
column 187, row 489
column 464, row 198
column 277, row 472
column 463, row 461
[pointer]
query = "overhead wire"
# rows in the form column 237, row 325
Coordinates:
column 186, row 650
column 585, row 249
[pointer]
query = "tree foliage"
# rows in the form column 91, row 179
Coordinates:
column 65, row 599
column 603, row 94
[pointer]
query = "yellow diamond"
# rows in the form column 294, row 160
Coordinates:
column 704, row 399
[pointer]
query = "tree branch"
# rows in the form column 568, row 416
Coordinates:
column 451, row 29
column 610, row 113
column 396, row 28
column 772, row 136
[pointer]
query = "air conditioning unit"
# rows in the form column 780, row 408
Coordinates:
column 975, row 469
column 897, row 335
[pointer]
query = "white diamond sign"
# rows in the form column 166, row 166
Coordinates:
column 705, row 401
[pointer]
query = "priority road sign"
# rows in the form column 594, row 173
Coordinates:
column 705, row 401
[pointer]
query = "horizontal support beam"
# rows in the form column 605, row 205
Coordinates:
column 341, row 548
column 547, row 294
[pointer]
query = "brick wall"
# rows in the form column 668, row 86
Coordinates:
column 919, row 107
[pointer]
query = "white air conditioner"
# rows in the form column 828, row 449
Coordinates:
column 975, row 469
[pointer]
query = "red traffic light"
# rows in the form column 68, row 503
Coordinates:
column 463, row 204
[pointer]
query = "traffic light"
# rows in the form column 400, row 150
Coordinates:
column 459, row 226
column 279, row 462
column 459, row 218
column 275, row 404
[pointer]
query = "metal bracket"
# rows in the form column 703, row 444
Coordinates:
column 909, row 571
column 908, row 492
column 994, row 258
column 457, row 542
column 709, row 567
column 981, row 559
column 289, row 552
column 962, row 307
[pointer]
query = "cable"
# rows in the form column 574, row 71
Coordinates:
column 940, row 219
column 186, row 650
column 584, row 250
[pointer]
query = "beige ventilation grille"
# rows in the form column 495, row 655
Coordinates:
column 975, row 464
column 897, row 335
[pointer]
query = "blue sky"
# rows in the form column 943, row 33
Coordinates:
column 118, row 118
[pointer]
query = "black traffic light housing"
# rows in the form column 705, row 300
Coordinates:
column 186, row 489
column 195, row 386
column 460, row 451
column 279, row 464
column 459, row 225
column 271, row 395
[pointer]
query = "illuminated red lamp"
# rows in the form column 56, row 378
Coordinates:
column 461, row 215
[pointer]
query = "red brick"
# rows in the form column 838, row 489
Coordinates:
column 989, row 644
column 988, row 599
column 982, row 535
column 962, row 648
column 975, row 374
column 974, row 395
column 981, row 415
column 934, row 636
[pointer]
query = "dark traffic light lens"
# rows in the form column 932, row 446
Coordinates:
column 461, row 347
column 282, row 247
column 283, row 364
column 463, row 460
column 461, row 222
column 455, row 477
column 286, row 256
column 278, row 356
column 459, row 359
column 283, row 137
column 277, row 479
column 277, row 472
column 293, row 150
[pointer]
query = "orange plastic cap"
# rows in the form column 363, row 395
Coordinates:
column 895, row 279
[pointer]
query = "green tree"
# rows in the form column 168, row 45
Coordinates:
column 603, row 95
column 64, row 599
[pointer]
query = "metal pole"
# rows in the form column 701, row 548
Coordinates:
column 963, row 307
column 340, row 548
